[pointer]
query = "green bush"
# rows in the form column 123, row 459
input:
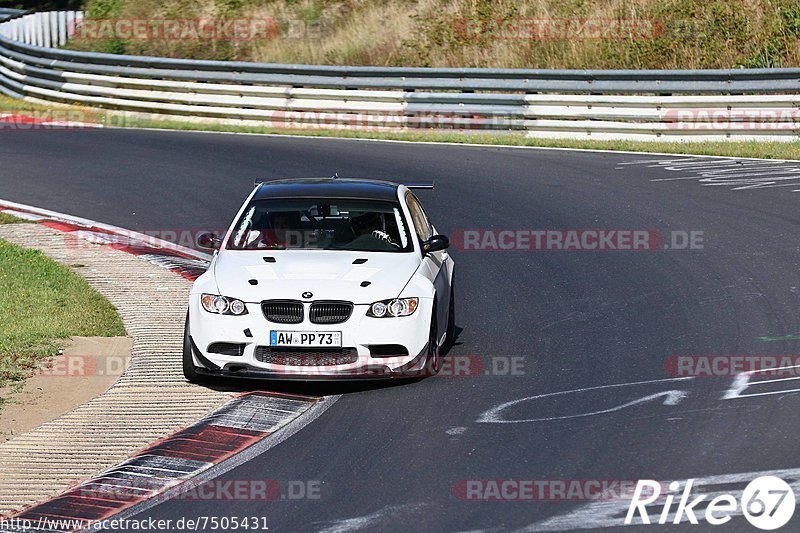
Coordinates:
column 690, row 33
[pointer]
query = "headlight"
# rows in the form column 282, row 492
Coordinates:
column 222, row 305
column 394, row 307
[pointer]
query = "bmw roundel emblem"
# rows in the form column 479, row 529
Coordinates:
column 307, row 295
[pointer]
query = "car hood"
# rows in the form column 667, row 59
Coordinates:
column 328, row 275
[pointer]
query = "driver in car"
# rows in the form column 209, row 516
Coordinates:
column 370, row 224
column 282, row 227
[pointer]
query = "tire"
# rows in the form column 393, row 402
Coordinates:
column 451, row 315
column 433, row 361
column 189, row 370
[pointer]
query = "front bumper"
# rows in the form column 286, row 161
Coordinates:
column 359, row 333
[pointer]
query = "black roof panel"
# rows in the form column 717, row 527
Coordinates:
column 362, row 189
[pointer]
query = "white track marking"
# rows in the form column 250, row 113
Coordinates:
column 671, row 397
column 771, row 393
column 372, row 520
column 680, row 160
column 777, row 380
column 611, row 513
column 738, row 174
column 739, row 385
column 741, row 382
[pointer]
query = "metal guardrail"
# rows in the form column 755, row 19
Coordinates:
column 634, row 104
column 46, row 28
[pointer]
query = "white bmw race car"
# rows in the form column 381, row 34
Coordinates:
column 322, row 278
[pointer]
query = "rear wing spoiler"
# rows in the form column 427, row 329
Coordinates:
column 428, row 186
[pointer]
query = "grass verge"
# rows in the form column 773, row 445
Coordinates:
column 757, row 149
column 5, row 218
column 43, row 303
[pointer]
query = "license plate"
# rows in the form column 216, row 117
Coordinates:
column 317, row 339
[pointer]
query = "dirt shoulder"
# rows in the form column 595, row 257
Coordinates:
column 86, row 369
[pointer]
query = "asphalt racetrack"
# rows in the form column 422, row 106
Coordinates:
column 603, row 328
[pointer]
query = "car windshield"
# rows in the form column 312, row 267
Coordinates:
column 322, row 224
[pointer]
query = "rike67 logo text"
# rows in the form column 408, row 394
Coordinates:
column 767, row 502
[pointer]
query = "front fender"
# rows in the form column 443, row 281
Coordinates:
column 205, row 284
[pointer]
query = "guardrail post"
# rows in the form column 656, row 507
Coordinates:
column 46, row 29
column 28, row 36
column 62, row 28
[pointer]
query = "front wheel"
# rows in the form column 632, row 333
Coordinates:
column 433, row 361
column 451, row 315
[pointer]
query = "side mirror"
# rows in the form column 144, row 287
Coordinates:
column 436, row 243
column 209, row 241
